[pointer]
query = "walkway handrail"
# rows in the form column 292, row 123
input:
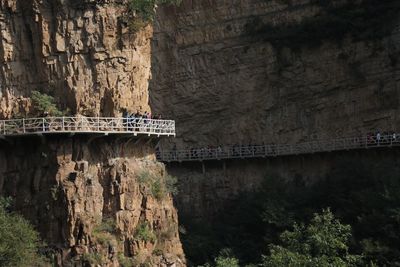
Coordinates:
column 274, row 150
column 108, row 125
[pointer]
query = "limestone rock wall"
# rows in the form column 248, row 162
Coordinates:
column 228, row 79
column 81, row 52
column 67, row 188
column 225, row 81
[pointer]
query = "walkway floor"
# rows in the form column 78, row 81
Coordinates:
column 274, row 150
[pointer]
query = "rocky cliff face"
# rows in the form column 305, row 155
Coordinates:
column 94, row 199
column 277, row 71
column 81, row 52
column 271, row 72
column 89, row 198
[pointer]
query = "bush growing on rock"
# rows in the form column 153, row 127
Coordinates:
column 142, row 12
column 158, row 186
column 44, row 103
column 144, row 233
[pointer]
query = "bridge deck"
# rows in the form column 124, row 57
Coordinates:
column 274, row 150
column 87, row 125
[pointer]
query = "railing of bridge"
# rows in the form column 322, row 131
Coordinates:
column 108, row 125
column 274, row 150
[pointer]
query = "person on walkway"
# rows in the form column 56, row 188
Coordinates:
column 174, row 151
column 378, row 137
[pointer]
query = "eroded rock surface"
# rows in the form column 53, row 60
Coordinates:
column 81, row 52
column 70, row 188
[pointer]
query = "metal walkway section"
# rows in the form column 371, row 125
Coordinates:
column 87, row 125
column 275, row 150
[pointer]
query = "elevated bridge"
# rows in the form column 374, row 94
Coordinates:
column 275, row 150
column 86, row 125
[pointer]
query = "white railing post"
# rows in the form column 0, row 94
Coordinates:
column 44, row 127
column 23, row 124
column 63, row 124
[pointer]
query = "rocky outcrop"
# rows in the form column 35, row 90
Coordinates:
column 96, row 200
column 90, row 200
column 81, row 52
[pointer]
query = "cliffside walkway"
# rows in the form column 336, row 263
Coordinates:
column 87, row 125
column 275, row 150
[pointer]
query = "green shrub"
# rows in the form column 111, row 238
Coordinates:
column 158, row 186
column 125, row 261
column 324, row 242
column 171, row 183
column 144, row 232
column 92, row 258
column 104, row 233
column 168, row 232
column 19, row 242
column 142, row 12
column 226, row 259
column 44, row 103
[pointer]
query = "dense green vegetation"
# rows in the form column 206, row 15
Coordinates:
column 43, row 103
column 19, row 242
column 324, row 242
column 365, row 19
column 362, row 194
column 142, row 12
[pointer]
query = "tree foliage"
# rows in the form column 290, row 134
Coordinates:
column 45, row 103
column 19, row 242
column 324, row 242
column 142, row 12
column 362, row 193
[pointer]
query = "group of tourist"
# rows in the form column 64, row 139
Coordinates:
column 384, row 137
column 235, row 150
column 135, row 116
column 246, row 150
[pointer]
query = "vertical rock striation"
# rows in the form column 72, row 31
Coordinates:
column 277, row 71
column 82, row 52
column 253, row 72
column 71, row 188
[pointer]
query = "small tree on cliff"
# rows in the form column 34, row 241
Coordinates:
column 322, row 243
column 142, row 12
column 19, row 242
column 44, row 103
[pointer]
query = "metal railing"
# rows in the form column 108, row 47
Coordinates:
column 274, row 150
column 87, row 125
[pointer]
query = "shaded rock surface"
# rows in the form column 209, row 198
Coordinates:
column 222, row 72
column 225, row 79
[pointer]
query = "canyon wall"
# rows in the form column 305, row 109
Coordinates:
column 94, row 199
column 253, row 72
